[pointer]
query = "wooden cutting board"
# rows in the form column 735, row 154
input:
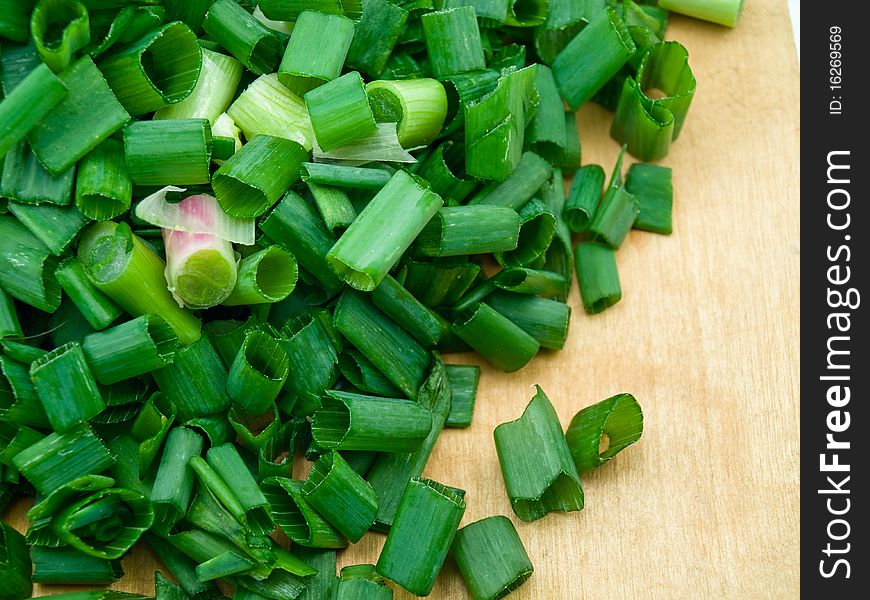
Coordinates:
column 706, row 337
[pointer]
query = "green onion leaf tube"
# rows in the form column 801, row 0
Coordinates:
column 43, row 513
column 453, row 41
column 176, row 152
column 601, row 431
column 614, row 217
column 340, row 112
column 265, row 277
column 254, row 430
column 19, row 402
column 27, row 267
column 584, row 197
column 652, row 187
column 313, row 359
column 457, row 231
column 27, row 104
column 546, row 133
column 68, row 16
column 266, row 107
column 393, row 351
column 440, row 284
column 334, row 206
column 531, row 173
column 66, row 386
column 254, row 178
column 161, row 68
column 70, row 566
column 537, row 228
column 463, row 90
column 15, row 19
column 15, row 565
column 491, row 557
column 103, row 188
column 375, row 36
column 418, row 106
column 444, row 169
column 496, row 338
column 361, row 582
column 345, row 177
column 379, row 236
column 413, row 316
column 234, row 28
column 218, row 79
column 258, row 372
column 347, row 421
column 420, row 537
column 363, row 375
column 598, row 276
column 544, row 319
column 215, row 507
column 223, row 565
column 195, row 381
column 594, row 56
column 182, row 568
column 130, row 349
column 522, row 280
column 9, row 325
column 296, row 518
column 464, row 380
column 573, row 149
column 344, row 498
column 124, row 268
column 560, row 255
column 55, row 226
column 492, row 13
column 149, row 430
column 290, row 10
column 227, row 463
column 536, row 463
column 308, row 62
column 722, row 12
column 26, row 181
column 173, row 484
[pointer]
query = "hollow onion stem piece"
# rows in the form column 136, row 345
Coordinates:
column 307, row 62
column 601, row 431
column 234, row 28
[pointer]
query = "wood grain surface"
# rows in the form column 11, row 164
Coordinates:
column 706, row 337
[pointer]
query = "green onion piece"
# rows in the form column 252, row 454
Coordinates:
column 216, row 510
column 463, row 90
column 722, row 12
column 565, row 18
column 164, row 589
column 174, row 152
column 253, row 430
column 651, row 186
column 648, row 125
column 444, row 169
column 382, row 145
column 536, row 463
column 222, row 148
column 463, row 393
column 560, row 255
column 216, row 428
column 571, row 161
column 546, row 135
column 456, row 231
column 496, row 337
column 403, row 308
column 173, row 484
column 584, row 197
column 9, row 325
column 68, row 325
column 27, row 104
column 55, row 226
column 43, row 513
column 80, row 121
column 296, row 518
column 26, row 181
column 60, row 28
column 253, row 179
column 103, row 187
column 21, row 352
column 130, row 349
column 345, row 177
column 598, row 276
column 522, row 280
column 347, row 421
column 275, row 457
column 601, row 431
column 313, row 359
column 340, row 111
column 266, row 107
column 440, row 284
column 594, row 56
column 334, row 206
column 222, row 566
column 531, row 173
column 19, row 402
column 323, row 561
column 198, row 544
column 182, row 568
column 492, row 13
column 290, row 10
column 195, row 381
column 150, row 428
column 344, row 498
column 491, row 557
column 258, row 372
column 265, row 277
column 495, row 126
column 70, row 566
column 66, row 387
column 537, row 228
column 227, row 463
column 161, row 68
column 279, row 585
column 376, row 240
column 421, row 534
column 128, row 25
column 361, row 582
column 234, row 28
column 191, row 12
column 617, row 212
column 544, row 319
column 213, row 93
column 453, row 41
column 375, row 36
column 227, row 337
column 61, row 457
column 307, row 62
column 395, row 353
column 418, row 106
column 15, row 19
column 15, row 565
column 363, row 375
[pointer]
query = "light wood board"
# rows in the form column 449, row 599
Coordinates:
column 706, row 337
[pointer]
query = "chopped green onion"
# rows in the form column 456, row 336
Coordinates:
column 27, row 104
column 522, row 280
column 15, row 19
column 560, row 255
column 491, row 557
column 60, row 28
column 176, row 152
column 344, row 498
column 130, row 349
column 173, row 484
column 128, row 25
column 723, row 12
column 103, row 188
column 258, row 372
column 492, row 13
column 403, row 308
column 340, row 111
column 536, row 463
column 223, row 566
column 9, row 325
column 601, row 431
column 453, row 41
column 227, row 463
column 290, row 10
column 496, row 337
column 15, row 565
column 191, row 12
column 345, row 177
column 651, row 186
column 67, row 325
column 234, row 28
column 617, row 212
column 573, row 150
column 537, row 228
column 27, row 267
column 254, row 430
column 456, row 231
column 195, row 381
column 216, row 428
column 26, row 181
column 444, row 169
column 66, row 387
column 547, row 134
column 375, row 36
column 70, row 566
column 218, row 79
column 531, row 173
column 565, row 18
column 313, row 359
column 334, row 206
column 421, row 534
column 442, row 283
column 363, row 375
column 19, row 402
column 463, row 393
column 308, row 62
column 598, row 276
column 296, row 518
column 544, row 319
column 361, row 582
column 150, row 428
column 268, row 108
column 418, row 106
column 583, row 199
column 55, row 226
column 182, row 568
column 264, row 277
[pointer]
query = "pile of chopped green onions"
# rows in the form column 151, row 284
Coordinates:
column 234, row 232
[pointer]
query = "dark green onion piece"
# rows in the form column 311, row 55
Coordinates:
column 296, row 518
column 182, row 568
column 195, row 381
column 522, row 280
column 191, row 12
column 544, row 319
column 15, row 565
column 598, row 276
column 258, row 372
column 26, row 181
column 234, row 28
column 15, row 19
column 651, row 186
column 417, row 106
column 80, row 121
column 361, row 582
column 421, row 534
column 463, row 393
column 168, row 152
column 334, row 206
column 565, row 18
column 573, row 150
column 27, row 267
column 560, row 255
column 453, row 41
column 531, row 173
column 444, row 169
column 42, row 515
column 363, row 375
column 308, row 62
column 164, row 589
column 253, row 431
column 70, row 566
column 264, row 277
column 347, row 421
column 216, row 510
column 289, row 10
column 9, row 325
column 496, row 337
column 546, row 135
column 723, row 12
column 199, row 544
column 601, row 431
column 463, row 90
column 379, row 236
column 67, row 325
column 173, row 484
column 442, row 283
column 594, row 56
column 536, row 463
column 223, row 566
column 19, row 402
column 537, row 228
column 344, row 498
column 55, row 226
column 491, row 557
column 227, row 463
column 60, row 28
column 323, row 561
column 584, row 197
column 375, row 36
column 103, row 188
column 492, row 13
column 403, row 308
column 617, row 212
column 27, row 104
column 160, row 69
column 313, row 359
column 456, row 231
column 66, row 387
column 340, row 112
column 130, row 349
column 124, row 268
column 95, row 306
column 150, row 428
column 345, row 177
column 253, row 179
